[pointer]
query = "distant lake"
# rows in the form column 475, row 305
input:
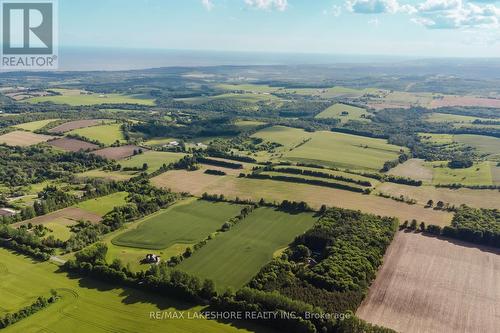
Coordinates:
column 87, row 59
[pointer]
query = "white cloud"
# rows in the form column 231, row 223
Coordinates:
column 378, row 7
column 334, row 11
column 457, row 14
column 208, row 4
column 280, row 5
column 375, row 22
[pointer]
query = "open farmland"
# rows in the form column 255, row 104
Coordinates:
column 75, row 97
column 478, row 174
column 414, row 169
column 234, row 257
column 118, row 153
column 465, row 101
column 34, row 125
column 88, row 305
column 23, row 139
column 106, row 134
column 70, row 213
column 330, row 148
column 154, row 160
column 336, row 110
column 474, row 198
column 102, row 174
column 68, row 144
column 76, row 124
column 187, row 222
column 400, row 99
column 105, row 204
column 433, row 285
column 197, row 182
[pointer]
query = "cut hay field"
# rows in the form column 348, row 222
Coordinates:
column 106, row 134
column 413, row 168
column 154, row 160
column 187, row 222
column 197, row 182
column 474, row 198
column 478, row 174
column 428, row 284
column 232, row 258
column 23, row 139
column 76, row 124
column 118, row 153
column 68, row 144
column 88, row 305
column 335, row 111
column 330, row 148
column 465, row 101
column 400, row 99
column 70, row 213
column 74, row 97
column 105, row 204
column 34, row 125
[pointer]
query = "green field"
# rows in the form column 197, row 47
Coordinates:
column 439, row 139
column 154, row 159
column 88, row 306
column 74, row 97
column 187, row 222
column 60, row 228
column 159, row 141
column 478, row 174
column 260, row 88
column 106, row 134
column 335, row 111
column 110, row 175
column 240, row 97
column 459, row 120
column 34, row 125
column 234, row 257
column 105, row 204
column 330, row 148
column 484, row 144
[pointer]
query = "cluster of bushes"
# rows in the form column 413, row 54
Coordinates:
column 318, row 174
column 392, row 164
column 224, row 164
column 475, row 225
column 460, row 163
column 316, row 182
column 472, row 187
column 22, row 241
column 40, row 303
column 239, row 158
column 401, row 198
column 377, row 176
column 215, row 172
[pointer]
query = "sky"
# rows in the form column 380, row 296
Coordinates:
column 429, row 28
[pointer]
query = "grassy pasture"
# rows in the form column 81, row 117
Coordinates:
column 478, row 174
column 159, row 141
column 75, row 97
column 234, row 257
column 335, row 111
column 110, row 175
column 439, row 139
column 104, row 204
column 259, row 88
column 184, row 223
column 34, row 125
column 88, row 305
column 329, row 148
column 106, row 134
column 60, row 228
column 23, row 139
column 484, row 144
column 331, row 92
column 414, row 169
column 154, row 159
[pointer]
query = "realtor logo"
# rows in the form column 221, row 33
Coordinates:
column 29, row 35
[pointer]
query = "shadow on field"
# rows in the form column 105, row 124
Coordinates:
column 129, row 295
column 458, row 242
